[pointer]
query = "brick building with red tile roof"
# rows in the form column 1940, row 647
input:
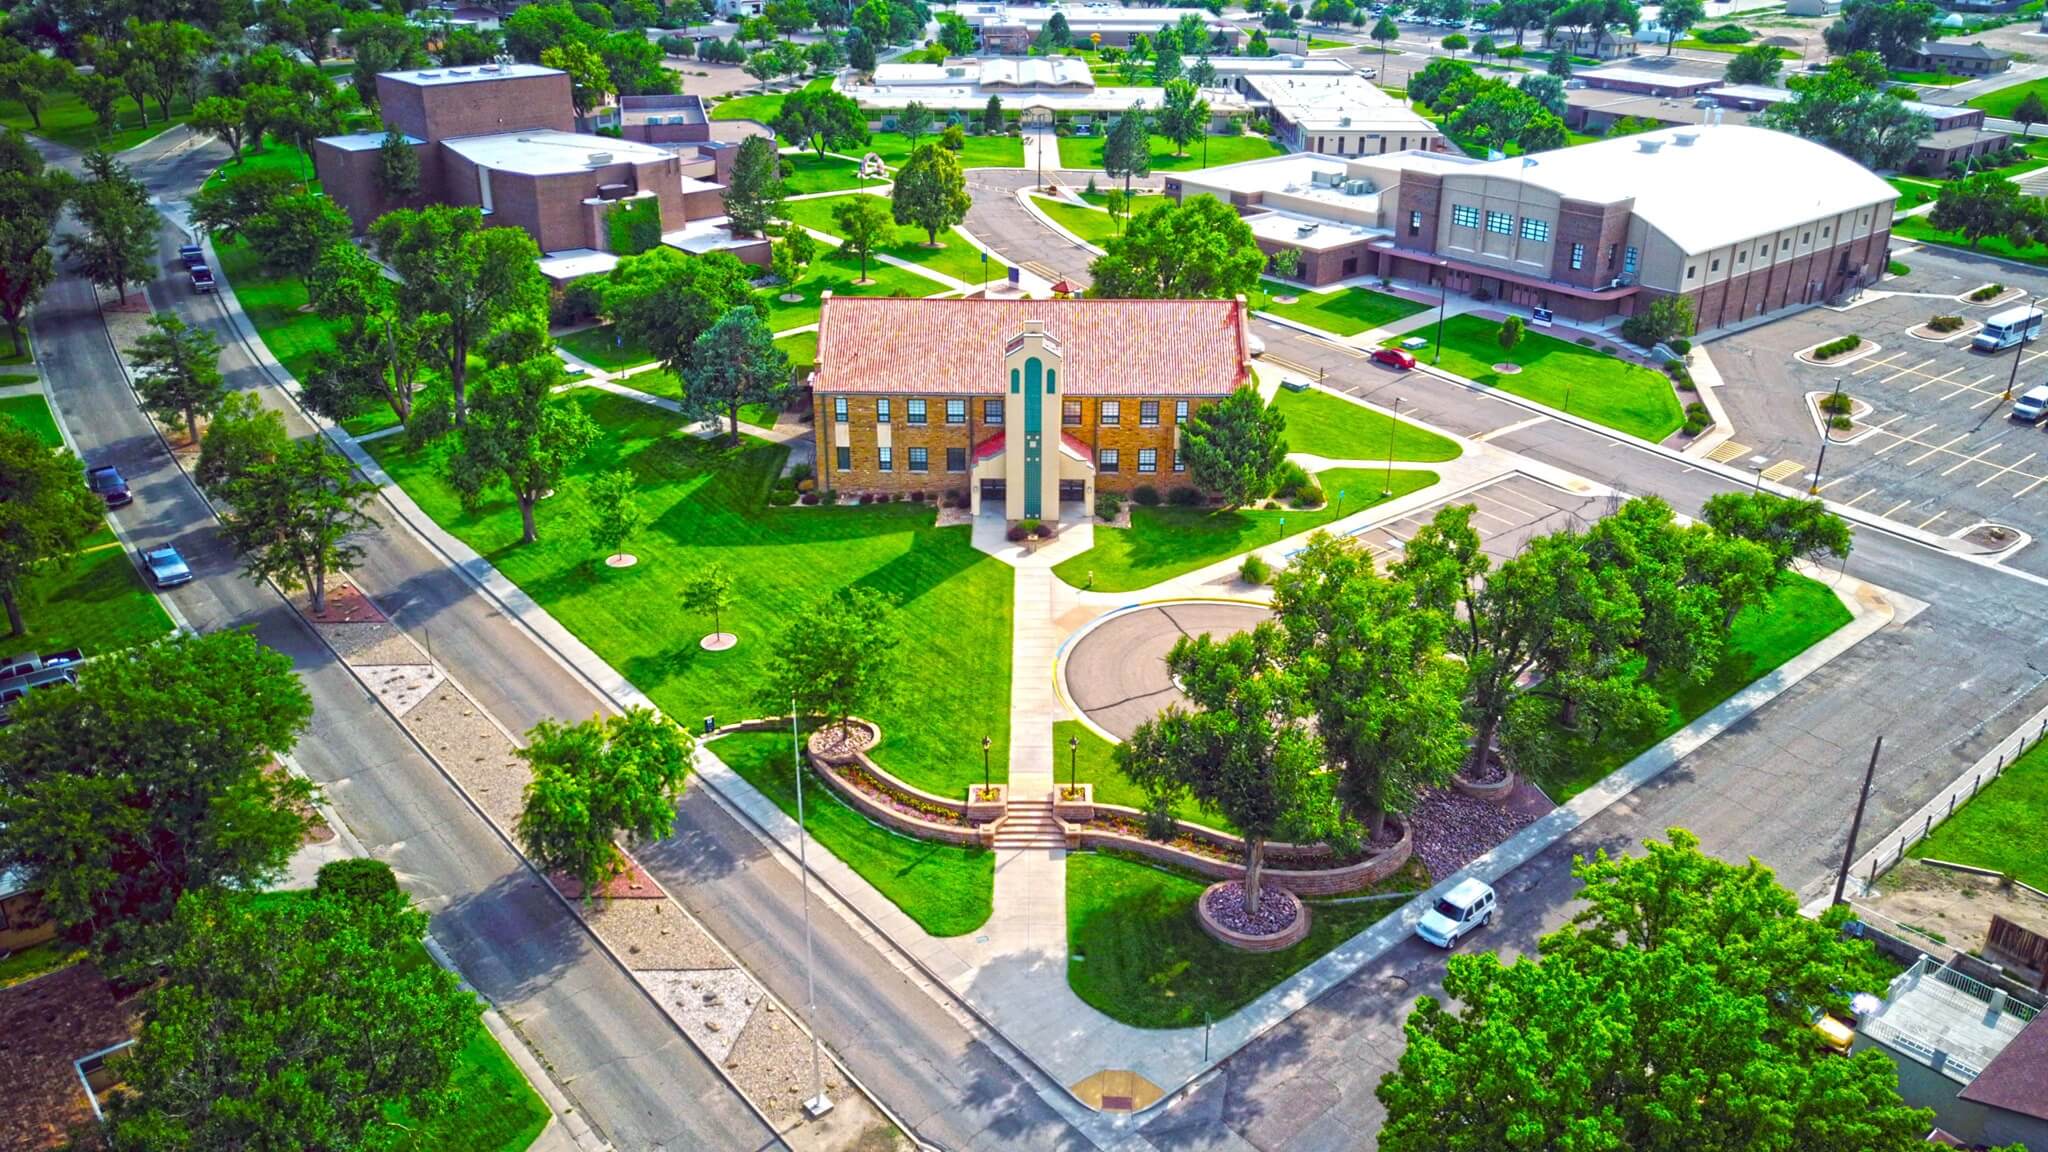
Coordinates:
column 922, row 395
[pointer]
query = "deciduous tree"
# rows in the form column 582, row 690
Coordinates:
column 733, row 364
column 930, row 192
column 31, row 199
column 46, row 512
column 378, row 354
column 177, row 372
column 914, row 122
column 1756, row 64
column 520, row 435
column 837, row 657
column 223, row 118
column 293, row 517
column 664, row 300
column 117, row 244
column 1789, row 529
column 1199, row 248
column 821, row 119
column 865, row 224
column 1678, row 18
column 1183, row 114
column 709, row 591
column 595, row 781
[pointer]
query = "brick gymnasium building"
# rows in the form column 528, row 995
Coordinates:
column 502, row 137
column 1027, row 403
column 1740, row 221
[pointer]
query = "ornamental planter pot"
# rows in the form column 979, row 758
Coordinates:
column 988, row 807
column 1078, row 810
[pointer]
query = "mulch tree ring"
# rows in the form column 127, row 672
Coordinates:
column 632, row 884
column 1507, row 369
column 718, row 642
column 840, row 741
column 1276, row 913
column 346, row 604
column 621, row 560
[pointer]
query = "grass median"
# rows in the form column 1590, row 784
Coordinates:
column 954, row 256
column 1082, row 153
column 1582, row 381
column 1327, row 425
column 1346, row 312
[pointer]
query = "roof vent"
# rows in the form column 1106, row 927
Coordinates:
column 487, row 68
column 430, row 75
column 599, row 159
column 1649, row 145
column 458, row 71
column 1685, row 139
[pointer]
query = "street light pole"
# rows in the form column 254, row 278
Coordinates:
column 2019, row 353
column 1387, row 489
column 819, row 1103
column 1073, row 765
column 986, row 743
column 1813, row 489
column 1443, row 301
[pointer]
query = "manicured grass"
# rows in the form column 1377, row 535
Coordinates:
column 954, row 257
column 1913, row 191
column 1137, row 954
column 605, row 348
column 838, row 274
column 1938, row 79
column 95, row 601
column 1732, row 49
column 1918, row 228
column 1094, row 762
column 33, row 413
column 706, row 502
column 38, row 960
column 1144, row 199
column 805, row 173
column 1164, row 542
column 1092, row 225
column 762, row 106
column 979, row 152
column 2000, row 827
column 1085, row 152
column 1324, row 424
column 67, row 121
column 9, row 357
column 801, row 348
column 1797, row 614
column 1320, row 42
column 947, row 888
column 8, row 379
column 2004, row 101
column 1582, row 381
column 1347, row 311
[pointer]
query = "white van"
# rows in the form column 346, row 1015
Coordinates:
column 2032, row 404
column 1468, row 905
column 2008, row 328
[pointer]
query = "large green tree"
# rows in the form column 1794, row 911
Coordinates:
column 154, row 777
column 754, row 192
column 1183, row 114
column 173, row 50
column 294, row 516
column 1789, row 529
column 930, row 192
column 226, row 208
column 307, row 1020
column 664, row 300
column 177, row 371
column 1894, row 29
column 1984, row 204
column 31, row 198
column 733, row 364
column 46, row 512
column 466, row 277
column 1756, row 64
column 1678, row 18
column 1127, row 149
column 597, row 780
column 820, row 118
column 836, row 658
column 116, row 245
column 1841, row 110
column 378, row 353
column 1235, row 446
column 520, row 435
column 865, row 224
column 1199, row 248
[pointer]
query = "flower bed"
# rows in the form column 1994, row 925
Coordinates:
column 1303, row 869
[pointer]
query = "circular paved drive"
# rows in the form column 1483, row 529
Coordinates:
column 1117, row 672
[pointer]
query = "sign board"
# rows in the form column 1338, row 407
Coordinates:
column 1541, row 318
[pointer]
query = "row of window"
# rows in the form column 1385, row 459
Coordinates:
column 1107, row 412
column 919, row 459
column 1628, row 259
column 1763, row 250
column 1498, row 223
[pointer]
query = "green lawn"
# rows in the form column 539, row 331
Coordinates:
column 980, row 151
column 604, row 347
column 1320, row 42
column 838, row 274
column 1729, row 49
column 805, row 173
column 1938, row 79
column 1346, row 312
column 801, row 348
column 1094, row 762
column 1913, row 191
column 1323, row 424
column 2004, row 101
column 762, row 106
column 2001, row 826
column 69, row 122
column 1085, row 152
column 953, row 257
column 1137, row 954
column 38, row 960
column 946, row 888
column 1092, row 225
column 9, row 357
column 1918, row 228
column 705, row 502
column 1164, row 542
column 1144, row 199
column 1799, row 613
column 1582, row 381
column 33, row 413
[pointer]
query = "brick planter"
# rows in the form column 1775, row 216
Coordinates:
column 1496, row 792
column 1287, row 937
column 816, row 744
column 1300, row 880
column 1079, row 810
column 986, row 810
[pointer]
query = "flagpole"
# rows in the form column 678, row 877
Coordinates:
column 818, row 1104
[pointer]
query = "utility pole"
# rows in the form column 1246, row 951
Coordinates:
column 1856, row 824
column 1813, row 489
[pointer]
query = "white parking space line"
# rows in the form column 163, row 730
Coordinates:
column 1959, row 465
column 1938, row 448
column 1909, row 371
column 1989, row 398
column 1914, row 438
column 1884, row 363
column 2009, row 468
column 1831, row 483
column 1976, row 385
column 1932, row 519
column 2038, row 481
column 1887, row 513
column 1936, row 379
column 1859, row 498
column 1884, row 424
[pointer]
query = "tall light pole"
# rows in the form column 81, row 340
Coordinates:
column 1073, row 765
column 1813, row 489
column 1443, row 301
column 1387, row 489
column 2026, row 330
column 986, row 743
column 819, row 1103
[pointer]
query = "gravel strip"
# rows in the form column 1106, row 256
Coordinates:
column 371, row 643
column 1453, row 829
column 473, row 751
column 772, row 1065
column 651, row 934
column 711, row 1007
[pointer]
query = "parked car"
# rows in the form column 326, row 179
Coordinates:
column 2032, row 404
column 106, row 482
column 14, row 689
column 1369, row 73
column 191, row 255
column 29, row 662
column 1468, row 905
column 1394, row 358
column 166, row 568
column 202, row 278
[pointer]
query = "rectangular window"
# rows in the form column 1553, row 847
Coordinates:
column 920, row 460
column 1691, row 270
column 1806, row 237
column 1502, row 223
column 1714, row 266
column 882, row 410
column 1070, row 412
column 956, row 411
column 1148, row 413
column 1785, row 245
column 888, row 458
column 1464, row 216
column 1415, row 223
column 916, row 411
column 1742, row 257
column 845, row 458
column 1578, row 257
column 991, row 411
column 956, row 459
column 1148, row 459
column 1534, row 229
column 1180, row 463
column 839, row 409
column 1180, row 411
column 1827, row 231
column 1628, row 260
column 1109, row 413
column 1106, row 460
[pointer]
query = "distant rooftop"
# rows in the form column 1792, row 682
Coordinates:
column 1946, row 1021
column 363, row 141
column 548, row 152
column 1336, row 103
column 2017, row 1078
column 437, row 77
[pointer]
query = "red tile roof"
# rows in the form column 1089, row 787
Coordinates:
column 955, row 347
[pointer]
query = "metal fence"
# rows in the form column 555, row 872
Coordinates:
column 1892, row 848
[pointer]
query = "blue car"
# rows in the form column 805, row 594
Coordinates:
column 166, row 568
column 107, row 483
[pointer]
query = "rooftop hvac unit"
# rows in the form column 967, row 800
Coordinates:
column 1685, row 139
column 1357, row 187
column 1326, row 179
column 1344, row 122
column 487, row 68
column 430, row 75
column 612, row 191
column 1651, row 146
column 458, row 71
column 1306, row 230
column 599, row 159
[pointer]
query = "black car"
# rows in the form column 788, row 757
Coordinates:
column 107, row 482
column 202, row 278
column 191, row 254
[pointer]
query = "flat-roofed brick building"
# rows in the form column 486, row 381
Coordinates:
column 1026, row 403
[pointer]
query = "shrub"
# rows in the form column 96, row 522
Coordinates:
column 801, row 472
column 1725, row 34
column 1945, row 323
column 1145, row 495
column 1834, row 348
column 1108, row 505
column 956, row 497
column 1017, row 532
column 1585, row 341
column 1684, row 382
column 1674, row 366
column 1988, row 291
column 829, row 496
column 1254, row 570
column 808, row 499
column 356, row 880
column 1610, row 349
column 1696, row 422
column 1836, row 402
column 1309, row 495
column 1897, row 269
column 1288, row 478
column 1271, row 505
column 782, row 495
column 1841, row 422
column 1184, row 497
column 917, row 497
column 1680, row 345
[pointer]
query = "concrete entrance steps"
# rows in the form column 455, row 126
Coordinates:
column 1030, row 826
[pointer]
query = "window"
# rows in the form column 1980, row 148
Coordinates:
column 882, row 410
column 1148, row 413
column 1106, row 460
column 1785, row 245
column 1742, row 257
column 1863, row 219
column 1714, row 266
column 888, row 458
column 1827, row 231
column 839, row 409
column 1533, row 229
column 1148, row 459
column 1180, row 463
column 1806, row 237
column 956, row 459
column 916, row 411
column 1628, row 260
column 1464, row 216
column 1415, row 223
column 845, row 458
column 1070, row 412
column 1691, row 270
column 920, row 460
column 1578, row 256
column 1502, row 223
column 991, row 411
column 1180, row 411
column 1109, row 413
column 956, row 411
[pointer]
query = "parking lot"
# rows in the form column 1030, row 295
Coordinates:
column 1506, row 513
column 1937, row 448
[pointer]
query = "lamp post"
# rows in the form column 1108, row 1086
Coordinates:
column 1813, row 488
column 1073, row 765
column 1443, row 302
column 986, row 744
column 819, row 1103
column 1387, row 489
column 2019, row 352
